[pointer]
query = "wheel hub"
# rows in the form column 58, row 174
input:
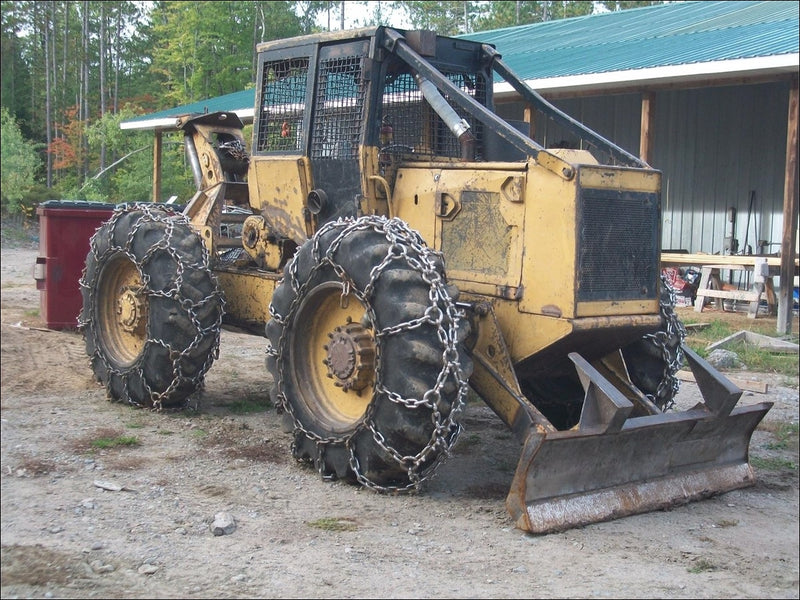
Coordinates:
column 350, row 357
column 130, row 310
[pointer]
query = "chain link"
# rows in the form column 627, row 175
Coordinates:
column 169, row 243
column 671, row 353
column 405, row 245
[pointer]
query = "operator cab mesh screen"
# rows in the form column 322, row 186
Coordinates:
column 336, row 131
column 283, row 98
column 416, row 128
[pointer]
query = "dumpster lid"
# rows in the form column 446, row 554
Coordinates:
column 85, row 204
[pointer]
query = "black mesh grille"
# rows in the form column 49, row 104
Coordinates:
column 415, row 125
column 283, row 95
column 336, row 130
column 618, row 245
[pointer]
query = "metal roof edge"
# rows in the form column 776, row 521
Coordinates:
column 684, row 73
column 171, row 123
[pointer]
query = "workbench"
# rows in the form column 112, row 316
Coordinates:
column 763, row 269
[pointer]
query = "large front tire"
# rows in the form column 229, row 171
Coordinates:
column 152, row 308
column 366, row 354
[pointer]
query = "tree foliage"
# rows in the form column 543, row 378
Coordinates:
column 18, row 162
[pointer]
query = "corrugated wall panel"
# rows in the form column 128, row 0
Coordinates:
column 719, row 145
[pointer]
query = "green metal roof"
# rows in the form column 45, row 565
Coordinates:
column 678, row 33
column 239, row 102
column 664, row 41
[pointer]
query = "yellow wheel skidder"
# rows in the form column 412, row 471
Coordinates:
column 398, row 243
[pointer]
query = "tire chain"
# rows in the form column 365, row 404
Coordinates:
column 668, row 387
column 170, row 218
column 405, row 243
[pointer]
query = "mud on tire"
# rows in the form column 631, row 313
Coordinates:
column 152, row 308
column 366, row 354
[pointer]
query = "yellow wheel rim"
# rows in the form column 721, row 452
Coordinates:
column 333, row 357
column 122, row 311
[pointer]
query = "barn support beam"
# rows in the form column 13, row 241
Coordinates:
column 790, row 216
column 647, row 128
column 157, row 151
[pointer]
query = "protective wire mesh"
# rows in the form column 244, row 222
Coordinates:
column 415, row 125
column 336, row 130
column 283, row 92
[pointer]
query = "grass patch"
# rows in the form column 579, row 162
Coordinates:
column 249, row 405
column 333, row 524
column 35, row 467
column 773, row 464
column 105, row 439
column 506, row 467
column 725, row 523
column 465, row 442
column 105, row 443
column 701, row 566
column 753, row 357
column 786, row 435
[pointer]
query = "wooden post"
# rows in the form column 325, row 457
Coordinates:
column 157, row 166
column 789, row 218
column 529, row 119
column 646, row 133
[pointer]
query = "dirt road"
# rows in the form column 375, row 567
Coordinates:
column 134, row 520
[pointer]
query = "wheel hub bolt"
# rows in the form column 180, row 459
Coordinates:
column 351, row 357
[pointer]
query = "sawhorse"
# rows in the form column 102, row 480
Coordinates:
column 710, row 287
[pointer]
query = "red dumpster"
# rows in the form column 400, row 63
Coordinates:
column 65, row 229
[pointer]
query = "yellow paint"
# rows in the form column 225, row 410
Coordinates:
column 414, row 200
column 627, row 307
column 473, row 215
column 339, row 407
column 279, row 187
column 548, row 272
column 247, row 294
column 611, row 178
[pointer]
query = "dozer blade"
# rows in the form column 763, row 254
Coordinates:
column 612, row 466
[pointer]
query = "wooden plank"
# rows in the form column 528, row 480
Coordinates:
column 759, row 340
column 742, row 384
column 676, row 258
column 731, row 294
column 693, row 326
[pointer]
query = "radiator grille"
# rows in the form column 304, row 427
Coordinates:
column 618, row 245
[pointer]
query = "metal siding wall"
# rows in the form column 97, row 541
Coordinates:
column 715, row 146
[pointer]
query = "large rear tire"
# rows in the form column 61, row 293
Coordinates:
column 654, row 361
column 152, row 308
column 366, row 354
